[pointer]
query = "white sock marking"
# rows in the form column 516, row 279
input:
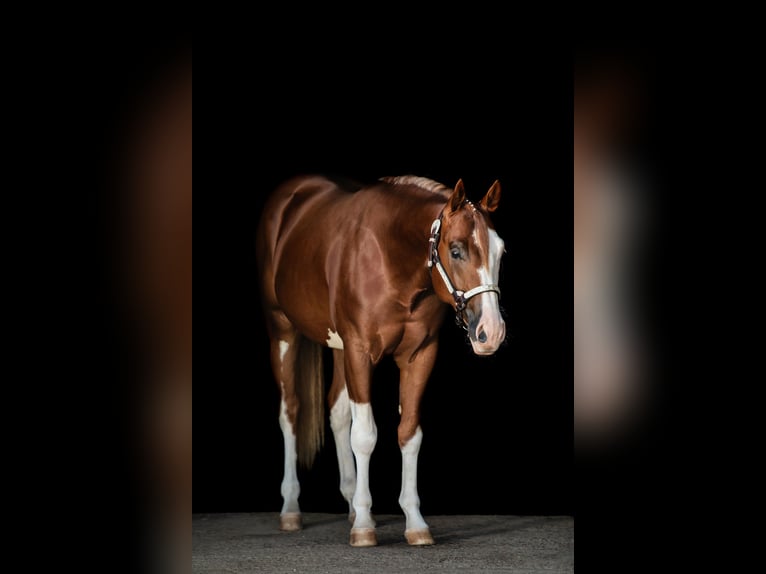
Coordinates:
column 364, row 435
column 340, row 422
column 290, row 487
column 408, row 498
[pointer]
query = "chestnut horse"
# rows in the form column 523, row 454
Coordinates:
column 367, row 271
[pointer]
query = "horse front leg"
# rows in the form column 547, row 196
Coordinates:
column 364, row 435
column 414, row 375
column 340, row 422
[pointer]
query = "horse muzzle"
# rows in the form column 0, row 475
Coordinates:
column 487, row 336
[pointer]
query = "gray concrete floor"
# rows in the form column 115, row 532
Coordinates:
column 238, row 543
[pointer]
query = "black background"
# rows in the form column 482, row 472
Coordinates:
column 481, row 105
column 498, row 430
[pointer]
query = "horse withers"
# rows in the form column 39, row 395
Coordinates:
column 366, row 271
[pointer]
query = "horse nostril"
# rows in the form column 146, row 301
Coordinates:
column 482, row 336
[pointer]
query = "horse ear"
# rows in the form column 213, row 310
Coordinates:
column 457, row 198
column 492, row 199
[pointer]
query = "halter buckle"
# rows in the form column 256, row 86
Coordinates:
column 433, row 253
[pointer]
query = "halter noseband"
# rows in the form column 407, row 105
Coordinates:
column 460, row 297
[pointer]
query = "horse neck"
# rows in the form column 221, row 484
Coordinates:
column 410, row 230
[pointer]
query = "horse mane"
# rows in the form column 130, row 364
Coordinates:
column 421, row 182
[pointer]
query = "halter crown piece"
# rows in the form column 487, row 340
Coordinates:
column 460, row 297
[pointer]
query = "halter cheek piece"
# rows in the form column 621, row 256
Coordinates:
column 460, row 297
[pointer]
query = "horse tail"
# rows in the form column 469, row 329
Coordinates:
column 309, row 386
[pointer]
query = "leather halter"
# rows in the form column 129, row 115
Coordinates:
column 460, row 297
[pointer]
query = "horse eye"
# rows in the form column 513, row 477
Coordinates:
column 455, row 253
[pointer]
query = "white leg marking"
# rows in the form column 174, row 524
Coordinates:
column 283, row 346
column 333, row 340
column 364, row 435
column 340, row 422
column 290, row 487
column 408, row 498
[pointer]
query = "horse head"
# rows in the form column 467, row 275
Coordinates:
column 466, row 254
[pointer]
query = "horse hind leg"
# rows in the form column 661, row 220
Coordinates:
column 340, row 422
column 283, row 356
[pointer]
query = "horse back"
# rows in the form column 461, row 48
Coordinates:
column 294, row 237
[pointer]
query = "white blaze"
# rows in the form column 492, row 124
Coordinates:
column 496, row 249
column 333, row 340
column 491, row 320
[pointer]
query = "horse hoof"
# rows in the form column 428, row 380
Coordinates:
column 290, row 522
column 421, row 537
column 361, row 537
